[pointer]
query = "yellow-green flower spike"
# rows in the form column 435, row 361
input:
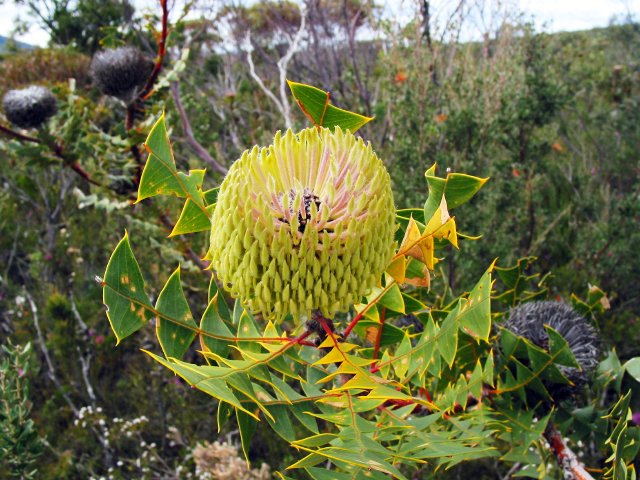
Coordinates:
column 304, row 224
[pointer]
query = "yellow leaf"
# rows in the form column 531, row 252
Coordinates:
column 417, row 245
column 381, row 391
column 442, row 225
column 397, row 268
column 335, row 355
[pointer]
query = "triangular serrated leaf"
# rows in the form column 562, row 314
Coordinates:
column 175, row 326
column 128, row 306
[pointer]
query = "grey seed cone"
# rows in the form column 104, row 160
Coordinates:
column 528, row 320
column 120, row 72
column 29, row 107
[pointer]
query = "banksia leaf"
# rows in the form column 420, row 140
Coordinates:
column 29, row 107
column 304, row 224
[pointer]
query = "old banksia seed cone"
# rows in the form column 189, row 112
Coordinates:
column 29, row 107
column 528, row 320
column 304, row 224
column 120, row 72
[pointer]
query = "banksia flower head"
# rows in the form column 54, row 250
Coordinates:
column 29, row 107
column 304, row 224
column 120, row 72
column 528, row 320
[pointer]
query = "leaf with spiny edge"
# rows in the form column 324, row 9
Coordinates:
column 209, row 379
column 456, row 188
column 213, row 327
column 247, row 425
column 128, row 306
column 475, row 310
column 192, row 219
column 175, row 326
column 160, row 176
column 441, row 225
column 316, row 106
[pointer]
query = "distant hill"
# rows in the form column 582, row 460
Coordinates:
column 21, row 45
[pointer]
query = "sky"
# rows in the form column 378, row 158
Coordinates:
column 549, row 15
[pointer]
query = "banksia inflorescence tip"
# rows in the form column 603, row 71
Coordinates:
column 305, row 224
column 120, row 72
column 29, row 107
column 528, row 320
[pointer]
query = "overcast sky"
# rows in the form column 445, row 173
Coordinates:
column 550, row 15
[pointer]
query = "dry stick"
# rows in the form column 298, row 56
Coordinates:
column 57, row 150
column 282, row 103
column 191, row 140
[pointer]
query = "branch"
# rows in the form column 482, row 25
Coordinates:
column 571, row 467
column 252, row 71
column 18, row 135
column 283, row 103
column 191, row 140
column 147, row 90
column 56, row 149
column 137, row 105
column 283, row 63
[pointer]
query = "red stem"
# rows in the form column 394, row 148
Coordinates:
column 567, row 460
column 353, row 323
column 138, row 103
column 300, row 339
column 162, row 50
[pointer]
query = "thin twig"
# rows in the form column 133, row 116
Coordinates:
column 283, row 102
column 18, row 135
column 56, row 149
column 191, row 140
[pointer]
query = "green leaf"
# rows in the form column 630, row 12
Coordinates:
column 175, row 327
column 247, row 426
column 223, row 414
column 633, row 368
column 448, row 341
column 247, row 328
column 458, row 188
column 213, row 323
column 316, row 440
column 281, row 422
column 160, row 176
column 315, row 104
column 402, row 357
column 475, row 311
column 392, row 298
column 560, row 349
column 209, row 379
column 211, row 196
column 128, row 306
column 192, row 219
